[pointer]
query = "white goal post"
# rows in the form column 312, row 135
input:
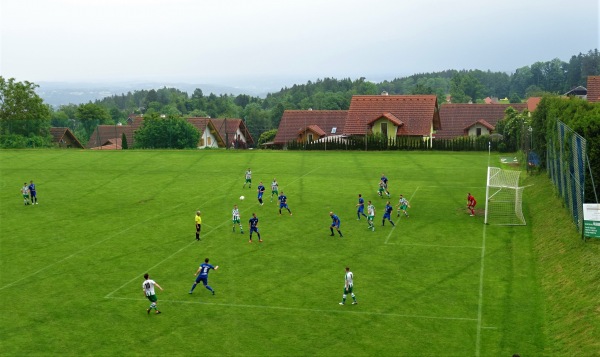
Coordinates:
column 503, row 198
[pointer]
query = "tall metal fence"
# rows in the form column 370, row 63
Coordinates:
column 566, row 163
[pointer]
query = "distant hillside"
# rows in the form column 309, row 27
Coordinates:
column 61, row 93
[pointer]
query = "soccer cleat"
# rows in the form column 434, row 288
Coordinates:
column 151, row 309
column 260, row 241
column 242, row 232
column 341, row 303
column 250, row 241
column 158, row 312
column 354, row 302
column 213, row 292
column 190, row 292
column 331, row 235
column 472, row 215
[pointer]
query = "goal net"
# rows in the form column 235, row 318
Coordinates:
column 503, row 198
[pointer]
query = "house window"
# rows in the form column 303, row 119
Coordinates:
column 209, row 141
column 310, row 138
column 478, row 131
column 201, row 142
column 384, row 129
column 333, row 130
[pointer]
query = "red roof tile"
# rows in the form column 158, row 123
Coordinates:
column 64, row 137
column 593, row 89
column 314, row 128
column 532, row 103
column 456, row 117
column 228, row 128
column 418, row 113
column 294, row 121
column 103, row 133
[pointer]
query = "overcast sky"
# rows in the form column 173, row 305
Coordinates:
column 231, row 41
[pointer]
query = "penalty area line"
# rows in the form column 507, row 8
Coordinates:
column 285, row 308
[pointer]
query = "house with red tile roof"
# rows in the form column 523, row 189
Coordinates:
column 472, row 119
column 212, row 133
column 234, row 132
column 309, row 125
column 593, row 89
column 105, row 133
column 209, row 135
column 393, row 115
column 64, row 138
column 388, row 115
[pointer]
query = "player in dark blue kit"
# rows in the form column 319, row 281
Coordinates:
column 283, row 203
column 335, row 223
column 261, row 191
column 387, row 214
column 202, row 275
column 253, row 222
column 385, row 185
column 32, row 193
column 361, row 207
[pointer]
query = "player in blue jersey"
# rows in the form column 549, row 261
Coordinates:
column 261, row 191
column 361, row 207
column 202, row 275
column 335, row 223
column 283, row 203
column 253, row 222
column 32, row 193
column 387, row 214
column 384, row 180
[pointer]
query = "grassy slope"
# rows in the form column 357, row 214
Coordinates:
column 569, row 272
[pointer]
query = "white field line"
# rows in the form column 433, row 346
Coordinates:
column 480, row 303
column 91, row 246
column 285, row 308
column 394, row 227
column 187, row 245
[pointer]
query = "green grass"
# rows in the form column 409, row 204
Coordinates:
column 440, row 283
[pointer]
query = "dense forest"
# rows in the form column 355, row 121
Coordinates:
column 263, row 114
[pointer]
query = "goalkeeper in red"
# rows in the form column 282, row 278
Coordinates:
column 471, row 202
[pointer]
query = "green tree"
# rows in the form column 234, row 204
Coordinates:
column 166, row 133
column 267, row 136
column 22, row 111
column 124, row 144
column 514, row 127
column 91, row 115
column 465, row 88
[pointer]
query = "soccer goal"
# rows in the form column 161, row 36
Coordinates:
column 503, row 198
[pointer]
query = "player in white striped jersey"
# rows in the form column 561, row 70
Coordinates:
column 235, row 218
column 348, row 287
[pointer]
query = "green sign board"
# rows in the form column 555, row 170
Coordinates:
column 591, row 220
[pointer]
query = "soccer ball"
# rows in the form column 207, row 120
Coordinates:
column 242, row 198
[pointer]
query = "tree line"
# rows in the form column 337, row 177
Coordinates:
column 262, row 115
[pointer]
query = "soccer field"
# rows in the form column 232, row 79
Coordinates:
column 438, row 283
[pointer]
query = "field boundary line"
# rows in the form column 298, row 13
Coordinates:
column 393, row 228
column 480, row 302
column 187, row 245
column 268, row 307
column 89, row 247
